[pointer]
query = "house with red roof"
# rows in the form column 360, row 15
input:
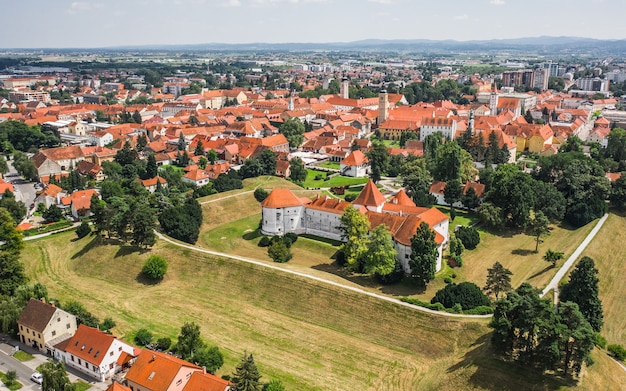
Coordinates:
column 42, row 325
column 93, row 352
column 355, row 165
column 79, row 202
column 197, row 177
column 283, row 212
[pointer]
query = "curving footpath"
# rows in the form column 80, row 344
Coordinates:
column 318, row 279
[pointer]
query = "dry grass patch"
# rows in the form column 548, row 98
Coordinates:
column 609, row 253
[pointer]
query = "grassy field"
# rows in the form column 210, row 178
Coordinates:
column 309, row 335
column 336, row 181
column 516, row 251
column 329, row 164
column 609, row 254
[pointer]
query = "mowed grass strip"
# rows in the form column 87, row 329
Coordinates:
column 311, row 336
column 336, row 181
column 609, row 253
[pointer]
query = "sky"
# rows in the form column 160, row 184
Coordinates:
column 106, row 23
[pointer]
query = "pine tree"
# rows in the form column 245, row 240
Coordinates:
column 199, row 151
column 582, row 289
column 182, row 144
column 424, row 254
column 151, row 167
column 498, row 280
column 247, row 376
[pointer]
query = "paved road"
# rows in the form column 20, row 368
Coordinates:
column 8, row 363
column 318, row 279
column 554, row 283
column 52, row 232
column 24, row 191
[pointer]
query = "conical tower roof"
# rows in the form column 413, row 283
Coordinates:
column 401, row 198
column 370, row 196
column 281, row 198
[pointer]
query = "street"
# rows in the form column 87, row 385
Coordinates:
column 24, row 191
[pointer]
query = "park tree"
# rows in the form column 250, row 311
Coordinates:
column 251, row 168
column 274, row 385
column 293, row 129
column 52, row 214
column 298, row 171
column 16, row 208
column 512, row 191
column 456, row 250
column 552, row 257
column 210, row 358
column 268, row 162
column 490, row 215
column 143, row 337
column 246, row 376
column 453, row 192
column 417, row 181
column 378, row 158
column 469, row 236
column 83, row 316
column 380, row 257
column 279, row 251
column 578, row 338
column 4, row 167
column 498, row 280
column 189, row 341
column 618, row 193
column 549, row 200
column 55, row 377
column 151, row 167
column 470, row 199
column 616, row 145
column 24, row 165
column 142, row 225
column 424, row 254
column 538, row 227
column 582, row 289
column 467, row 294
column 354, row 227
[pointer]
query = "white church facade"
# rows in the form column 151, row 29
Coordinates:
column 284, row 212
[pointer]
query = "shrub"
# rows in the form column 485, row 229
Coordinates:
column 318, row 177
column 340, row 258
column 287, row 241
column 143, row 337
column 83, row 229
column 260, row 194
column 11, row 377
column 107, row 324
column 617, row 351
column 291, row 236
column 447, row 280
column 480, row 310
column 350, row 197
column 600, row 341
column 469, row 237
column 457, row 309
column 279, row 252
column 155, row 267
column 163, row 343
column 468, row 295
column 265, row 241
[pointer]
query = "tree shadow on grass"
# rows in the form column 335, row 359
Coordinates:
column 126, row 249
column 523, row 252
column 493, row 373
column 252, row 235
column 549, row 267
column 93, row 243
column 145, row 280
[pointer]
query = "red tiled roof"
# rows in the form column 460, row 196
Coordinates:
column 370, row 196
column 281, row 198
column 90, row 344
column 356, row 158
column 401, row 198
column 206, row 382
column 156, row 371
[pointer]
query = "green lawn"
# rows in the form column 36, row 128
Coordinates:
column 336, row 181
column 329, row 164
column 15, row 386
column 23, row 356
column 81, row 386
column 463, row 217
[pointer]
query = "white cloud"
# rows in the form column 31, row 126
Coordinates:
column 496, row 2
column 260, row 3
column 81, row 6
column 382, row 1
column 462, row 17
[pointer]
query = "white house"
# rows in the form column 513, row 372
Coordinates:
column 284, row 212
column 447, row 126
column 355, row 165
column 100, row 138
column 42, row 325
column 197, row 177
column 94, row 353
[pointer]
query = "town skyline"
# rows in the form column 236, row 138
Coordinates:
column 93, row 24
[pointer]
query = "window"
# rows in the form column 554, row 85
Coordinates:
column 68, row 326
column 406, row 256
column 58, row 319
column 72, row 357
column 86, row 365
column 179, row 382
column 54, row 333
column 80, row 362
column 21, row 327
column 33, row 333
column 110, row 354
column 120, row 349
column 111, row 366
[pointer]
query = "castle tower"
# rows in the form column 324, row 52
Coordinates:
column 291, row 106
column 370, row 197
column 383, row 106
column 493, row 99
column 344, row 90
column 470, row 122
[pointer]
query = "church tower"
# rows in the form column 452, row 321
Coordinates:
column 470, row 122
column 493, row 99
column 344, row 90
column 291, row 106
column 383, row 106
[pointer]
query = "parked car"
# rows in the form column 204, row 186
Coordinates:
column 37, row 378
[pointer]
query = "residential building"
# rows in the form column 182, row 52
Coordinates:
column 155, row 371
column 447, row 126
column 355, row 165
column 42, row 325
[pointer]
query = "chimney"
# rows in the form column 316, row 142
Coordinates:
column 52, row 303
column 43, row 299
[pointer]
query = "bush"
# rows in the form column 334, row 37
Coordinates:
column 11, row 377
column 260, row 194
column 143, row 337
column 340, row 258
column 600, row 341
column 287, row 241
column 155, row 267
column 469, row 237
column 480, row 310
column 163, row 343
column 107, row 324
column 279, row 252
column 350, row 197
column 265, row 241
column 318, row 177
column 447, row 280
column 617, row 351
column 468, row 295
column 83, row 230
column 291, row 236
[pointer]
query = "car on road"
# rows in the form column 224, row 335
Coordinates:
column 37, row 378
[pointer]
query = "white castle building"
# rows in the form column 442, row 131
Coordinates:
column 284, row 212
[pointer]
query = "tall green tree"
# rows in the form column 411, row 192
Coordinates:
column 381, row 253
column 199, row 151
column 55, row 377
column 453, row 192
column 424, row 254
column 293, row 129
column 417, row 181
column 210, row 358
column 268, row 162
column 10, row 237
column 512, row 191
column 538, row 227
column 143, row 224
column 498, row 280
column 354, row 229
column 151, row 167
column 246, row 376
column 189, row 341
column 182, row 144
column 16, row 208
column 577, row 339
column 552, row 256
column 582, row 289
column 618, row 193
column 298, row 171
column 378, row 158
